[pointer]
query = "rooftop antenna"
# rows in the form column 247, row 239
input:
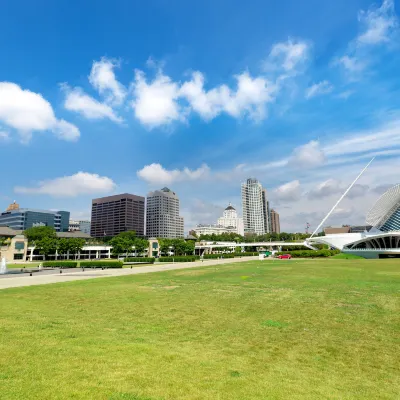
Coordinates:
column 341, row 198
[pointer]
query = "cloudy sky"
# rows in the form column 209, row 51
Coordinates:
column 98, row 98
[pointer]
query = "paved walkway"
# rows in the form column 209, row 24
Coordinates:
column 39, row 278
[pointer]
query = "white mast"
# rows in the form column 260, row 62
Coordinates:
column 343, row 196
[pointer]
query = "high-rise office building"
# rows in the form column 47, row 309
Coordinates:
column 24, row 218
column 275, row 224
column 256, row 215
column 112, row 215
column 162, row 215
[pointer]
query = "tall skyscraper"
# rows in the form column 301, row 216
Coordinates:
column 162, row 216
column 112, row 215
column 275, row 224
column 256, row 215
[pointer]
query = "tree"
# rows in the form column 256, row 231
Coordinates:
column 121, row 245
column 76, row 245
column 179, row 247
column 140, row 245
column 46, row 245
column 128, row 235
column 63, row 246
column 189, row 247
column 165, row 245
column 37, row 233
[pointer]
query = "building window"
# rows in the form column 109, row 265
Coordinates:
column 18, row 256
column 19, row 245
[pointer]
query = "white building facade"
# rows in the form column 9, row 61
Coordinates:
column 162, row 215
column 231, row 220
column 213, row 229
column 79, row 226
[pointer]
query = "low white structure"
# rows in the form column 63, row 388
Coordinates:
column 213, row 229
column 366, row 245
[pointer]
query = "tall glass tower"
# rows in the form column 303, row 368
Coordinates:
column 256, row 213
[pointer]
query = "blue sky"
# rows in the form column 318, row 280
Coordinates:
column 106, row 97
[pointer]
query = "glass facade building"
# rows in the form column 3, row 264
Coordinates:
column 24, row 218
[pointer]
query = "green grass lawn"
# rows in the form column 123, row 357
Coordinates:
column 343, row 256
column 295, row 329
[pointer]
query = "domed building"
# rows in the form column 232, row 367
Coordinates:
column 231, row 220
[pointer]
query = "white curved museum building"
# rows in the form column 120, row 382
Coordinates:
column 382, row 241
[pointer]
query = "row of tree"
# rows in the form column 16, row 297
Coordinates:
column 125, row 242
column 179, row 247
column 248, row 238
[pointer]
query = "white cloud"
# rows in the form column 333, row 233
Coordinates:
column 385, row 136
column 4, row 136
column 320, row 88
column 156, row 103
column 78, row 101
column 345, row 95
column 207, row 104
column 102, row 78
column 250, row 97
column 357, row 191
column 27, row 111
column 66, row 131
column 288, row 192
column 307, row 155
column 325, row 189
column 379, row 26
column 332, row 187
column 288, row 55
column 71, row 186
column 379, row 23
column 157, row 174
column 351, row 64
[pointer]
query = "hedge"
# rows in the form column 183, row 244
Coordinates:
column 179, row 259
column 214, row 256
column 247, row 254
column 101, row 264
column 61, row 264
column 309, row 253
column 147, row 260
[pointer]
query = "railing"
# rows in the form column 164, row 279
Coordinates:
column 374, row 249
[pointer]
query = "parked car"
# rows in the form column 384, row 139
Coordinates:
column 285, row 257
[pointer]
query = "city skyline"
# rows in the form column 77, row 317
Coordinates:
column 301, row 104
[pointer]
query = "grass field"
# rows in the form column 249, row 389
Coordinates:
column 296, row 329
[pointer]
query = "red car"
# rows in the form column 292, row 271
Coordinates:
column 285, row 257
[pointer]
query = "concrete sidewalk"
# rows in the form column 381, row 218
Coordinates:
column 37, row 279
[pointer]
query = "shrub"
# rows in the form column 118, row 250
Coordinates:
column 214, row 256
column 60, row 264
column 101, row 264
column 179, row 259
column 310, row 253
column 148, row 260
column 247, row 254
